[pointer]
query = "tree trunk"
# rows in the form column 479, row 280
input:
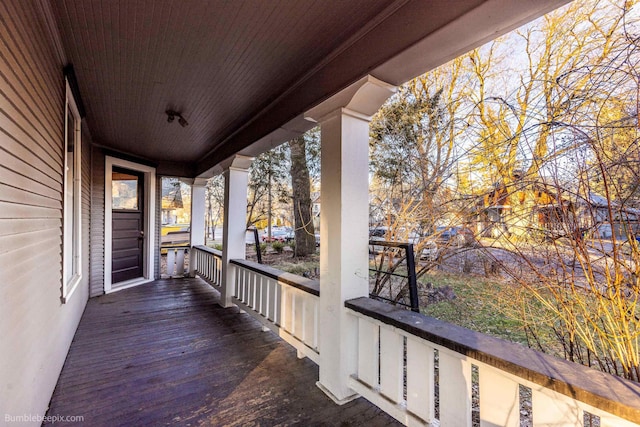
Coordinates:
column 304, row 231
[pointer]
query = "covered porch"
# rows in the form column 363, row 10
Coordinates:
column 167, row 352
column 100, row 93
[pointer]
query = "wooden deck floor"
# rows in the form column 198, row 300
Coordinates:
column 165, row 353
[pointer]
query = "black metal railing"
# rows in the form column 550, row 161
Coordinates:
column 386, row 287
column 256, row 240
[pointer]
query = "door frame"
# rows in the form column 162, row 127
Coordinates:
column 149, row 221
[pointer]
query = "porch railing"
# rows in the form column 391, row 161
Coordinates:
column 208, row 264
column 176, row 257
column 283, row 302
column 423, row 371
column 398, row 352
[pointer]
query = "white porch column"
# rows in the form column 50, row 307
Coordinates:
column 197, row 218
column 344, row 225
column 236, row 179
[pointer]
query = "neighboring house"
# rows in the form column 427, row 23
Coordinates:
column 554, row 212
column 171, row 201
column 526, row 208
column 493, row 209
column 604, row 218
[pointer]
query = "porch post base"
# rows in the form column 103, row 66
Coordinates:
column 224, row 304
column 334, row 398
column 227, row 302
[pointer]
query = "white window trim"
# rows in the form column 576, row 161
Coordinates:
column 72, row 247
column 149, row 223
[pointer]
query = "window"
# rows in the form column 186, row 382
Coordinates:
column 125, row 190
column 71, row 271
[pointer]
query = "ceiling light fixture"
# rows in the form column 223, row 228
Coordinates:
column 171, row 116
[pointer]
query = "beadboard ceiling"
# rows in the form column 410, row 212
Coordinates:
column 239, row 70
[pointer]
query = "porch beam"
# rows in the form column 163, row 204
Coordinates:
column 344, row 223
column 236, row 180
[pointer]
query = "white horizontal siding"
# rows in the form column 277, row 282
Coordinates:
column 9, row 227
column 25, row 148
column 28, row 183
column 10, row 210
column 86, row 205
column 31, row 59
column 15, row 194
column 97, row 224
column 36, row 329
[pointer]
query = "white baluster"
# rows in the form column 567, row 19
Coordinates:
column 270, row 297
column 202, row 263
column 286, row 309
column 210, row 263
column 608, row 420
column 171, row 260
column 207, row 263
column 552, row 409
column 277, row 306
column 215, row 277
column 455, row 389
column 238, row 276
column 251, row 290
column 240, row 281
column 309, row 324
column 255, row 292
column 499, row 398
column 420, row 379
column 298, row 315
column 260, row 302
column 368, row 336
column 180, row 262
column 246, row 288
column 391, row 363
column 245, row 285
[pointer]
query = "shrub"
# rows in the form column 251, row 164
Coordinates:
column 278, row 247
column 263, row 248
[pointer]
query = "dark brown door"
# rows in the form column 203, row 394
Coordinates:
column 127, row 203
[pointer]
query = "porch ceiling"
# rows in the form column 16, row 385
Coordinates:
column 243, row 72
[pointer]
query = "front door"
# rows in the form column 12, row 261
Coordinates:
column 127, row 203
